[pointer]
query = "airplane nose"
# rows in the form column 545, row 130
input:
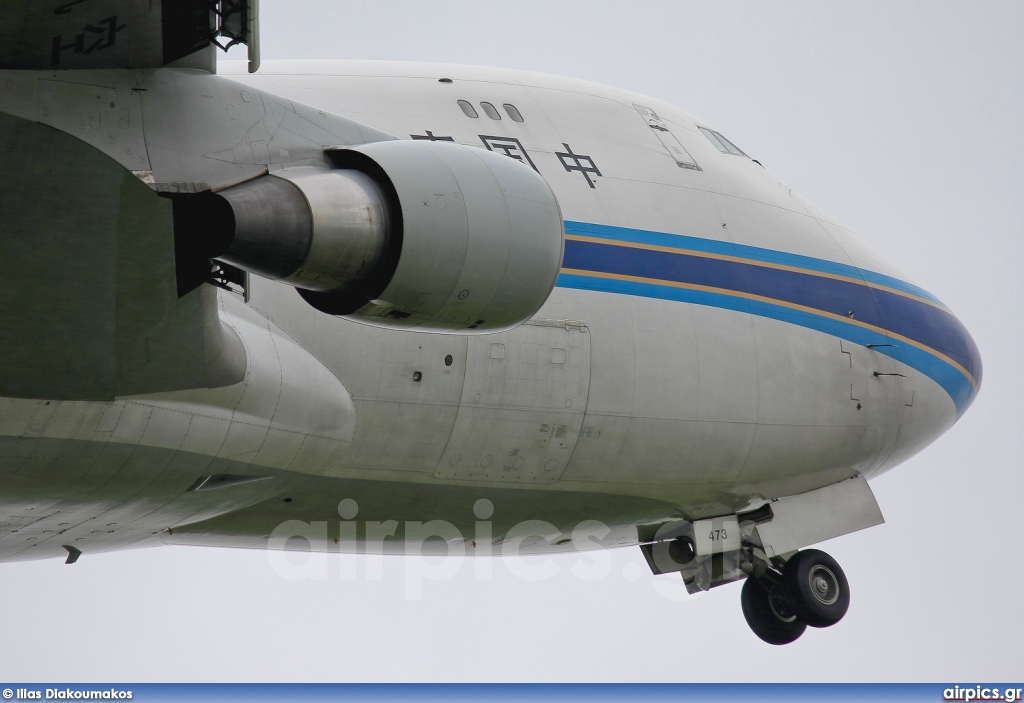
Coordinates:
column 935, row 342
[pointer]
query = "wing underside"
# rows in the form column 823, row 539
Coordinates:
column 76, row 34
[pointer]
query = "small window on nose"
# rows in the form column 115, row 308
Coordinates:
column 468, row 109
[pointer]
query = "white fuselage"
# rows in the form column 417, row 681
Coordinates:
column 713, row 341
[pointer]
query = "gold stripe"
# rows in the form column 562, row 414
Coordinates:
column 754, row 262
column 782, row 303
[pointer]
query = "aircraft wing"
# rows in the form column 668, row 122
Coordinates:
column 63, row 34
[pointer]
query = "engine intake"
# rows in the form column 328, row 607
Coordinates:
column 407, row 234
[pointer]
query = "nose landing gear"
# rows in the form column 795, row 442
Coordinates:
column 810, row 590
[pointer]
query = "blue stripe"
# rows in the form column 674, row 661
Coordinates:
column 925, row 324
column 769, row 256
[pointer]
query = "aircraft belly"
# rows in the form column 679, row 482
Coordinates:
column 98, row 497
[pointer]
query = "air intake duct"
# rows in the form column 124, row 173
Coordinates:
column 405, row 234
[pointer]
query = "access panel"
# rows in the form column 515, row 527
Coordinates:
column 522, row 404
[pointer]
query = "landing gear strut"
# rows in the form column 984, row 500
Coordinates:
column 811, row 589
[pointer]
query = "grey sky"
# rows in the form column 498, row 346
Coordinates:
column 904, row 121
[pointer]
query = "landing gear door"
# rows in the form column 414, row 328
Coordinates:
column 663, row 134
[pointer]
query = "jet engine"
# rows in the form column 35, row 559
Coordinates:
column 405, row 234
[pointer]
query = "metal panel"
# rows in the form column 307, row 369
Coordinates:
column 716, row 535
column 522, row 404
column 676, row 150
column 109, row 119
column 815, row 516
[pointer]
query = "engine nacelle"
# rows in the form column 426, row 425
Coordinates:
column 405, row 234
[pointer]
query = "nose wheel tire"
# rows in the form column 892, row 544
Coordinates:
column 769, row 614
column 816, row 588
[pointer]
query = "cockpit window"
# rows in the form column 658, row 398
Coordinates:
column 468, row 108
column 721, row 143
column 714, row 140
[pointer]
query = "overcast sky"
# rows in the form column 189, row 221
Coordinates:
column 904, row 121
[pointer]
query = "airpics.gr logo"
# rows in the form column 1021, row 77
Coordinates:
column 981, row 693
